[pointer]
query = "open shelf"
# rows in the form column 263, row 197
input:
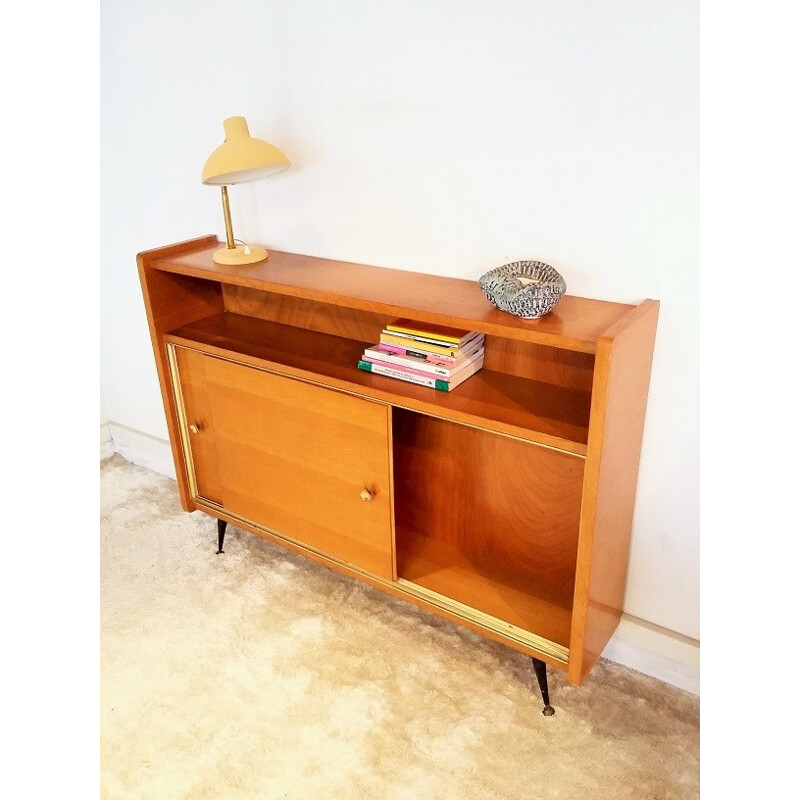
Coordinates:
column 445, row 570
column 502, row 539
column 532, row 410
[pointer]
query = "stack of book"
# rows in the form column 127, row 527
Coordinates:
column 429, row 355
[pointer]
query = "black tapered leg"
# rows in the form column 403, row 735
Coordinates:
column 221, row 526
column 540, row 668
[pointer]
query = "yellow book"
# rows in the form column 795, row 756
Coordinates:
column 429, row 331
column 413, row 343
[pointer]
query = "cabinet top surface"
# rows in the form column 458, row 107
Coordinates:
column 575, row 323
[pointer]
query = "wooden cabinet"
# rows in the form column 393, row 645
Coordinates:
column 505, row 505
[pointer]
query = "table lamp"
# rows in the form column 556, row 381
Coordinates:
column 239, row 159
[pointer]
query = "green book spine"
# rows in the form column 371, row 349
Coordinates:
column 432, row 382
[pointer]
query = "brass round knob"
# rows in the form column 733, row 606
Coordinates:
column 366, row 495
column 195, row 428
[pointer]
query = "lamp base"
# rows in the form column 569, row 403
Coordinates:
column 234, row 256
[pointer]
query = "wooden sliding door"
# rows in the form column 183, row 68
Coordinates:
column 308, row 463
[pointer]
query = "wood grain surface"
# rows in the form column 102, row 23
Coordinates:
column 295, row 458
column 619, row 400
column 511, row 522
column 200, row 441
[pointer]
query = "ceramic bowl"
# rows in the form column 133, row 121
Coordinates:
column 527, row 289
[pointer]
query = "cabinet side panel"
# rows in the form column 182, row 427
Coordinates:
column 619, row 399
column 171, row 301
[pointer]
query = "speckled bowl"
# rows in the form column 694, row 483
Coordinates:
column 527, row 289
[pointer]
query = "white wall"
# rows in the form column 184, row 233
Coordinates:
column 440, row 136
column 106, row 441
column 103, row 408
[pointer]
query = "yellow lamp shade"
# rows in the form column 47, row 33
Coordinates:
column 242, row 158
column 239, row 159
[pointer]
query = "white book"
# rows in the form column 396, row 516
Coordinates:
column 400, row 374
column 433, row 382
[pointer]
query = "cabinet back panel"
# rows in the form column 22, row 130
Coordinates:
column 566, row 368
column 349, row 323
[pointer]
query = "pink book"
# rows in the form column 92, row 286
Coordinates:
column 441, row 361
column 368, row 357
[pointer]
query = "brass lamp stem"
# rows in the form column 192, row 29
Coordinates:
column 226, row 210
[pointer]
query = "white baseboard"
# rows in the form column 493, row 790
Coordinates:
column 661, row 653
column 150, row 452
column 638, row 644
column 106, row 441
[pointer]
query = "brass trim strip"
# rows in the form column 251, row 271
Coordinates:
column 382, row 402
column 172, row 358
column 507, row 629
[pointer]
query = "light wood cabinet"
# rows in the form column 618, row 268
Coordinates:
column 505, row 505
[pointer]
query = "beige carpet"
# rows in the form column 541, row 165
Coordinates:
column 259, row 674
